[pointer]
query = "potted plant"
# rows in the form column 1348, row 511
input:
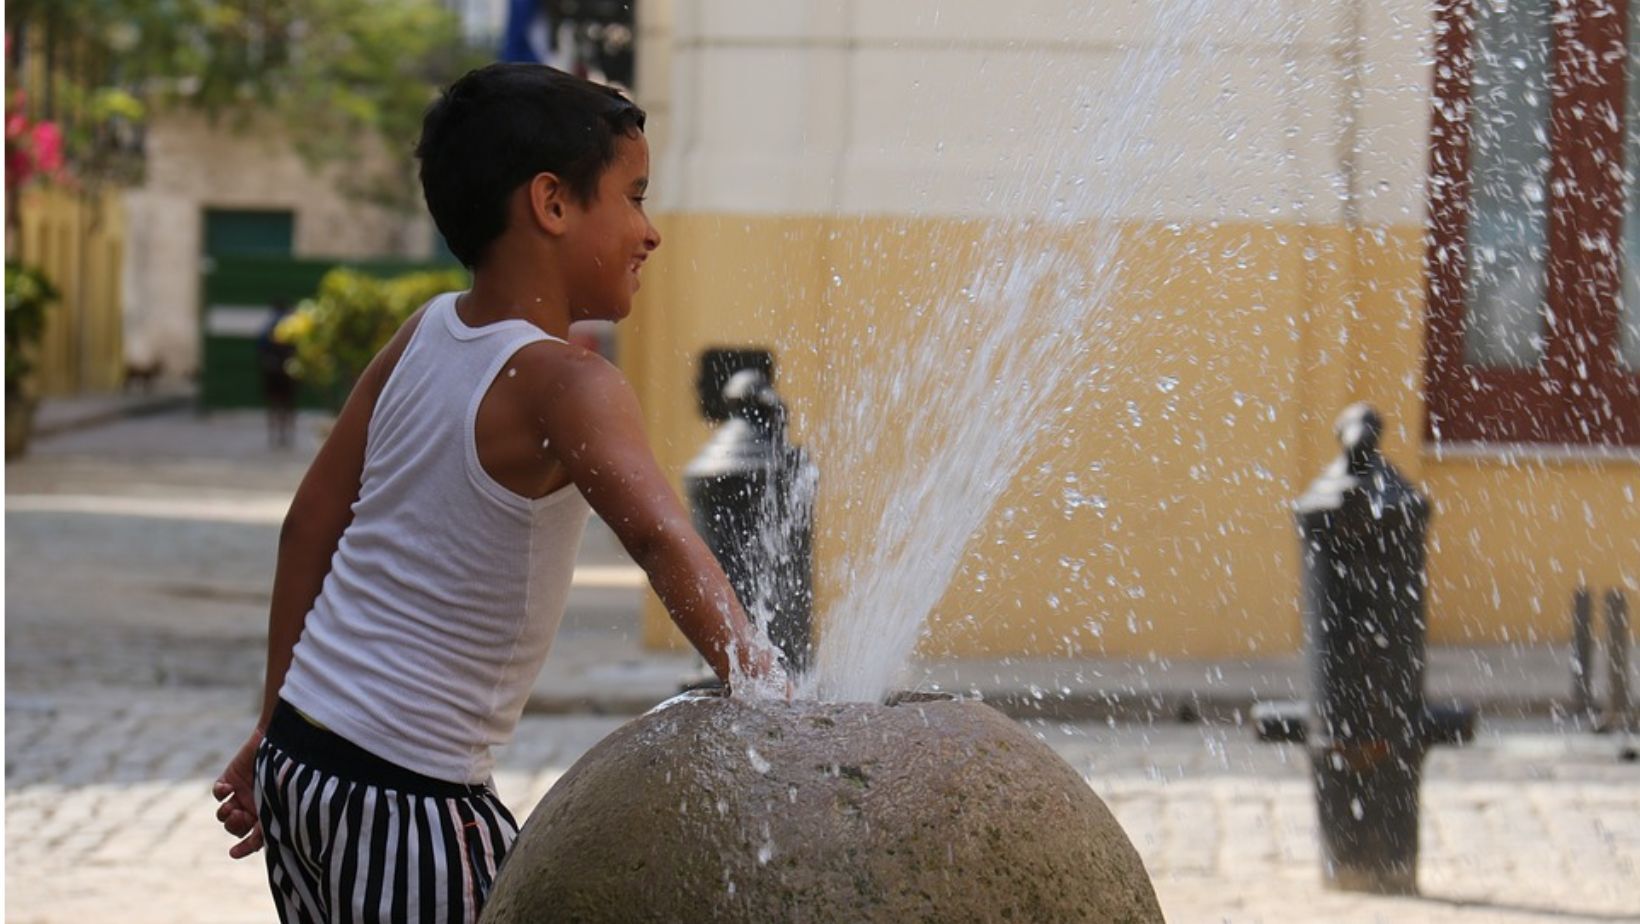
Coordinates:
column 28, row 295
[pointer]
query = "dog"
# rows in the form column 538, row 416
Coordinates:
column 142, row 375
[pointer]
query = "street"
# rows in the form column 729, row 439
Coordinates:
column 136, row 588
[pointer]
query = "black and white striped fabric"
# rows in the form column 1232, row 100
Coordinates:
column 345, row 851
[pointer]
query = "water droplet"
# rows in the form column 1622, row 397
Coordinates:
column 1075, row 500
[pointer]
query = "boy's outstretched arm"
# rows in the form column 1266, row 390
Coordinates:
column 312, row 530
column 594, row 427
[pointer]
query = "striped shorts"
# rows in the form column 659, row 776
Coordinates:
column 350, row 837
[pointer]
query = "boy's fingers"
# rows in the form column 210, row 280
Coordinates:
column 235, row 801
column 235, row 825
column 248, row 846
column 239, row 824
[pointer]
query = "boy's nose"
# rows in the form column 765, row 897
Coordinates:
column 652, row 239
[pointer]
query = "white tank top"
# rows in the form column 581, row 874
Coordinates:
column 447, row 588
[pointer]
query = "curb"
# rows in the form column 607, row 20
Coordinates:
column 143, row 407
column 1148, row 708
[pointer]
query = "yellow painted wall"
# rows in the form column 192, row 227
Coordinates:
column 1512, row 541
column 1270, row 330
column 78, row 240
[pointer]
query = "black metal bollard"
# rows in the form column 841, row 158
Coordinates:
column 1618, row 715
column 1583, row 706
column 741, row 488
column 1363, row 528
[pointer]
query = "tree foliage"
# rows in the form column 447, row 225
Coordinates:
column 337, row 75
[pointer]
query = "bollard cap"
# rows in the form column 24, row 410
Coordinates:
column 1361, row 476
column 751, row 439
column 717, row 365
column 1358, row 429
column 749, row 396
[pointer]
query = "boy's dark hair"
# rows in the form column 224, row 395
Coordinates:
column 499, row 126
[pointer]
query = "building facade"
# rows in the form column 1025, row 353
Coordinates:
column 1277, row 196
column 212, row 188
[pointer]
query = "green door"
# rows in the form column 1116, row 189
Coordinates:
column 229, row 375
column 229, row 231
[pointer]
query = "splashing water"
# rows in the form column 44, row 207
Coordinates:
column 975, row 394
column 991, row 370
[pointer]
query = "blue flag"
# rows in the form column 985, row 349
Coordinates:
column 529, row 36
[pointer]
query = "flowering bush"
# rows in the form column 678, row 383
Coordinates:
column 352, row 317
column 33, row 148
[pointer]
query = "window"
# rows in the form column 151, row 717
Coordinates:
column 1534, row 255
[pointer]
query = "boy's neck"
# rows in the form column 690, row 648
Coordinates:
column 498, row 294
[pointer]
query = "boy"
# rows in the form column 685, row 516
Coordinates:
column 426, row 558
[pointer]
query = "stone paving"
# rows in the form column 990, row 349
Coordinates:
column 133, row 661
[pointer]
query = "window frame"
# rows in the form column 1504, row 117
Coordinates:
column 1579, row 394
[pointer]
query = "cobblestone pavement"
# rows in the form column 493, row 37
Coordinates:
column 108, row 817
column 133, row 662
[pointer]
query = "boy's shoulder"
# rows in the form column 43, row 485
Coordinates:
column 574, row 397
column 560, row 369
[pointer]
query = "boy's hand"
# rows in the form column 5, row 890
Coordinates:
column 763, row 675
column 236, row 790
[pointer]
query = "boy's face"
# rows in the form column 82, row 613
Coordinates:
column 611, row 237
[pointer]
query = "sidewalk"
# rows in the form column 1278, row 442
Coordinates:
column 56, row 416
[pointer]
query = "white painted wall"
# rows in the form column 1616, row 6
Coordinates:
column 1277, row 109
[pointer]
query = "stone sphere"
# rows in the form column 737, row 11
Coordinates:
column 721, row 809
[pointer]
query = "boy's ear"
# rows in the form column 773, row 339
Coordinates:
column 548, row 203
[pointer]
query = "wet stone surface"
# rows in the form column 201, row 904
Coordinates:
column 718, row 809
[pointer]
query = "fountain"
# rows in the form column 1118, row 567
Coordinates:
column 723, row 809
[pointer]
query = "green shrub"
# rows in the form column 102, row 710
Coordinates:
column 352, row 317
column 28, row 294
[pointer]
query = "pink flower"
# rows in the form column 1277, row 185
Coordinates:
column 32, row 148
column 48, row 147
